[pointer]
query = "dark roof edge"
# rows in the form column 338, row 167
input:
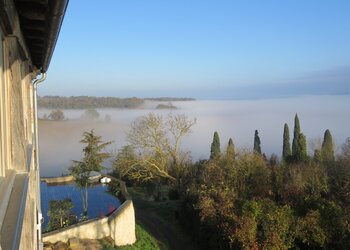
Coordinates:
column 57, row 15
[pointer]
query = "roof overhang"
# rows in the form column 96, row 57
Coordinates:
column 40, row 22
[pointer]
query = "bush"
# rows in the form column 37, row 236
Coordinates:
column 173, row 194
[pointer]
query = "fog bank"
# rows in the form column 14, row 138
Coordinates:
column 59, row 141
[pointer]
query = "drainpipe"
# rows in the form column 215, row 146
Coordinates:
column 36, row 158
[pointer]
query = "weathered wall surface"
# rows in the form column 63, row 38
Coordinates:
column 120, row 225
column 14, row 77
column 17, row 130
column 61, row 179
column 18, row 78
column 92, row 229
column 29, row 220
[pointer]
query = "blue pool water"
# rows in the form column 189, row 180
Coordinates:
column 100, row 201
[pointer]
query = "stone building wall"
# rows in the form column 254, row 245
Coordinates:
column 16, row 75
column 17, row 153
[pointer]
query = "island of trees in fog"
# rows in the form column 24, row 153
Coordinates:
column 85, row 102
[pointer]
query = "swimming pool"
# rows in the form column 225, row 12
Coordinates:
column 100, row 201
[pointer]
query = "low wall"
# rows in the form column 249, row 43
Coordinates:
column 67, row 178
column 61, row 179
column 120, row 225
column 91, row 229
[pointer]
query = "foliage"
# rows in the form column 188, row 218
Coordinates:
column 60, row 214
column 250, row 176
column 296, row 133
column 92, row 102
column 91, row 114
column 126, row 156
column 302, row 154
column 166, row 106
column 309, row 230
column 299, row 146
column 339, row 173
column 286, row 152
column 240, row 200
column 230, row 150
column 327, row 150
column 249, row 203
column 154, row 148
column 87, row 102
column 144, row 241
column 215, row 150
column 257, row 143
column 265, row 225
column 170, row 99
column 345, row 155
column 91, row 162
column 56, row 115
column 173, row 194
column 216, row 211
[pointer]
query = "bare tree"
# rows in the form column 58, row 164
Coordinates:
column 56, row 115
column 178, row 127
column 154, row 149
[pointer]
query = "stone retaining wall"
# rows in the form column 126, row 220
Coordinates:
column 120, row 225
column 61, row 179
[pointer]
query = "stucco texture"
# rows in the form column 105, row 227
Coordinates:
column 120, row 226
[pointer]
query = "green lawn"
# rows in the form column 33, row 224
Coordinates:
column 158, row 224
column 144, row 242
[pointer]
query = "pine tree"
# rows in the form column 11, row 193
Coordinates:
column 230, row 150
column 295, row 146
column 327, row 150
column 215, row 151
column 257, row 143
column 286, row 143
column 91, row 162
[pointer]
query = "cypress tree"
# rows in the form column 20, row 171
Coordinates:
column 302, row 154
column 257, row 143
column 215, row 151
column 317, row 156
column 286, row 143
column 327, row 149
column 230, row 150
column 295, row 145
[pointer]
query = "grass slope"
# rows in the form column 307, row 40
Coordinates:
column 144, row 242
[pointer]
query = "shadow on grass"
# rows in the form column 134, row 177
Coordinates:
column 160, row 220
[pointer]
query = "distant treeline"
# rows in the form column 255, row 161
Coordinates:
column 86, row 102
column 170, row 99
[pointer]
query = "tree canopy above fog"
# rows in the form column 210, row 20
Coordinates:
column 84, row 102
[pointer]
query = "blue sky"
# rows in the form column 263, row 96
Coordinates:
column 205, row 49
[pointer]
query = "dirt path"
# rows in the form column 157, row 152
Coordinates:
column 161, row 230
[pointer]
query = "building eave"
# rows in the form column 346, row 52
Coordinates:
column 40, row 23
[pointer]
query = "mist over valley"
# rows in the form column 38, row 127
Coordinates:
column 236, row 119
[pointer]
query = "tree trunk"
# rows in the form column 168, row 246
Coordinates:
column 83, row 202
column 86, row 198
